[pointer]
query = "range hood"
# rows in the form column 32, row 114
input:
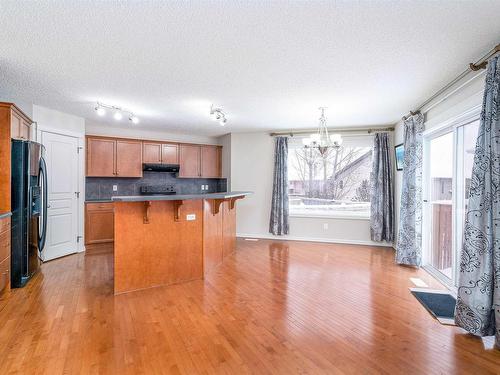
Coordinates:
column 153, row 167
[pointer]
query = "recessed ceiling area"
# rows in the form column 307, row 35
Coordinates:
column 269, row 66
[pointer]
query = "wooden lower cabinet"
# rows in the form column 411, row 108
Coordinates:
column 99, row 227
column 4, row 255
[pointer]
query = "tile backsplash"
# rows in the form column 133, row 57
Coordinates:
column 100, row 188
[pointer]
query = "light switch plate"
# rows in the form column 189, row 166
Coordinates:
column 115, row 187
column 191, row 217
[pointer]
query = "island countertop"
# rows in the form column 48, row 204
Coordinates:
column 179, row 197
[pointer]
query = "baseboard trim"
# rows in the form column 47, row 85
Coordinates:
column 311, row 239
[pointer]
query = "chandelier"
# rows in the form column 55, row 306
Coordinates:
column 321, row 139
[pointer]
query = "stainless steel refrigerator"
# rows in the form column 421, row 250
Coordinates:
column 29, row 209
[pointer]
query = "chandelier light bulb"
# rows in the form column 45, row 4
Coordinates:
column 315, row 138
column 134, row 119
column 336, row 139
column 306, row 141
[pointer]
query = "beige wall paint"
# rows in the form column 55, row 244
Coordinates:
column 252, row 157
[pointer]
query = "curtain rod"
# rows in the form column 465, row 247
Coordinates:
column 480, row 64
column 291, row 133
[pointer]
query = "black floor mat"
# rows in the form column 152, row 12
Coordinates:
column 438, row 304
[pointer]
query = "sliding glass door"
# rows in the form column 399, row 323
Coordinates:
column 448, row 158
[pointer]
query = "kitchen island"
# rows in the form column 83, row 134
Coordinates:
column 169, row 239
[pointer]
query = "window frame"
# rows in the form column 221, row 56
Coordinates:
column 349, row 215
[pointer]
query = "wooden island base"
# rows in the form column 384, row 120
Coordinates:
column 164, row 242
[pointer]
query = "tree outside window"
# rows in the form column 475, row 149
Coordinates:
column 330, row 181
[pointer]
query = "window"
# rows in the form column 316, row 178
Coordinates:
column 333, row 182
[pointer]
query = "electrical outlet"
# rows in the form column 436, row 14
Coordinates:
column 115, row 187
column 206, row 187
column 191, row 217
column 325, row 226
column 202, row 187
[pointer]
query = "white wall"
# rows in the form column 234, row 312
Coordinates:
column 251, row 158
column 464, row 96
column 135, row 131
column 62, row 123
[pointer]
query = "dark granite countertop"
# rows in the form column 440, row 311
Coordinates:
column 180, row 197
column 5, row 214
column 98, row 200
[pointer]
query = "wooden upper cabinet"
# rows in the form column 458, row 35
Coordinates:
column 190, row 160
column 170, row 154
column 19, row 125
column 128, row 158
column 24, row 131
column 101, row 155
column 112, row 157
column 151, row 152
column 108, row 157
column 210, row 161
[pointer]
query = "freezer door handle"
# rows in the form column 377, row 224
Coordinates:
column 43, row 184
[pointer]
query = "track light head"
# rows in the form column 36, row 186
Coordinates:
column 117, row 115
column 100, row 111
column 218, row 115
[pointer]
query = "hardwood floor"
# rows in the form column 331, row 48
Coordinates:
column 272, row 307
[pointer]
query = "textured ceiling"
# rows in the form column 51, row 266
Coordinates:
column 269, row 65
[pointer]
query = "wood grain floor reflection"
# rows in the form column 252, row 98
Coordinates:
column 271, row 308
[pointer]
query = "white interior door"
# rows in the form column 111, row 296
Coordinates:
column 62, row 172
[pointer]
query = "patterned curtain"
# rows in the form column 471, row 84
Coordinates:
column 478, row 300
column 382, row 198
column 409, row 246
column 278, row 224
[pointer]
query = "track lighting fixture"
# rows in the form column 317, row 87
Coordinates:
column 118, row 112
column 218, row 115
